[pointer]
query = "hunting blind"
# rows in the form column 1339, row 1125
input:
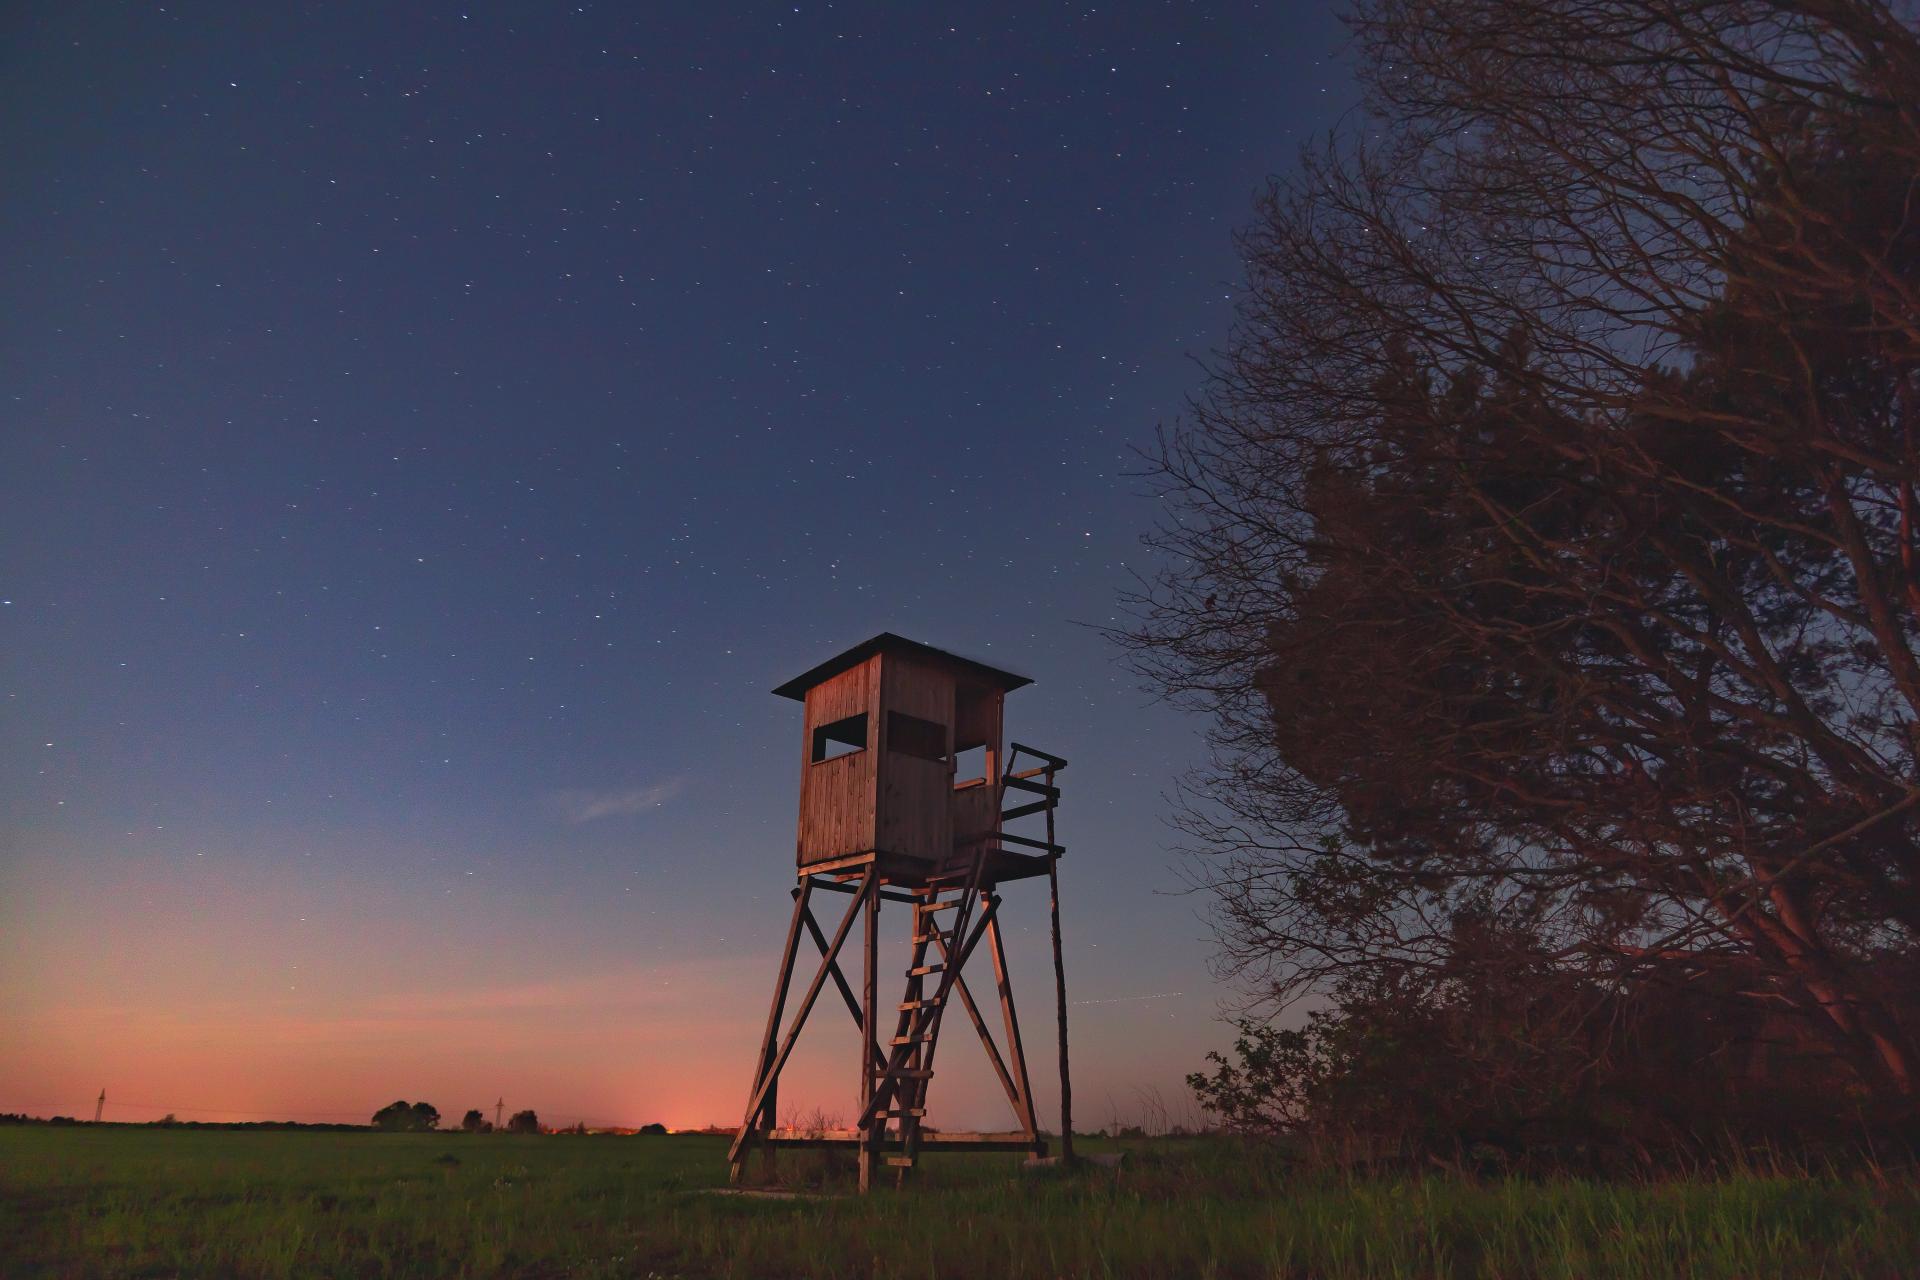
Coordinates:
column 904, row 798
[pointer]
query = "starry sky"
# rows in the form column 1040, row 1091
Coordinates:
column 430, row 432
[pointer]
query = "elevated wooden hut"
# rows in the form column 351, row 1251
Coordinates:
column 904, row 786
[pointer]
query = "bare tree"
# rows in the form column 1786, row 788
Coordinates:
column 1543, row 548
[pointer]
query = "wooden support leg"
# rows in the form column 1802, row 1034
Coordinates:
column 736, row 1158
column 764, row 1090
column 1060, row 994
column 869, row 994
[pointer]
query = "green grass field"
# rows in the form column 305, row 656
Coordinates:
column 157, row 1203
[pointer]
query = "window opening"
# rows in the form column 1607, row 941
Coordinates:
column 969, row 765
column 841, row 738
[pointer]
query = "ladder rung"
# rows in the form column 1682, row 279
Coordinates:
column 1019, row 783
column 900, row 1162
column 1021, row 811
column 924, row 1037
column 925, row 969
column 931, row 907
column 936, row 936
column 901, row 1113
column 913, row 1073
column 930, row 1002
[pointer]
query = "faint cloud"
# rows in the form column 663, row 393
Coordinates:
column 578, row 806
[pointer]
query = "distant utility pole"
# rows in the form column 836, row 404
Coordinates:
column 498, row 1107
column 101, row 1105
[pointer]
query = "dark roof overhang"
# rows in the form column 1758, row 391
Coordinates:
column 887, row 642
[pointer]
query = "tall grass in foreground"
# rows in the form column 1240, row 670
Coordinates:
column 132, row 1202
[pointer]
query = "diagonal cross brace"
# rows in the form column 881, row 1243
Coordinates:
column 785, row 981
column 840, row 981
column 986, row 1040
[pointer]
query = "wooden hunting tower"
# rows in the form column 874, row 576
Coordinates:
column 903, row 786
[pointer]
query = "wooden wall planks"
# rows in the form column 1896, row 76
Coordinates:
column 896, row 803
column 915, row 819
column 837, row 796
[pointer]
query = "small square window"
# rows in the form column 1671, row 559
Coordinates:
column 841, row 738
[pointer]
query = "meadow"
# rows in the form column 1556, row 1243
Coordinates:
column 150, row 1203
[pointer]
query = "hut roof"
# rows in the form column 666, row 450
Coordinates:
column 887, row 642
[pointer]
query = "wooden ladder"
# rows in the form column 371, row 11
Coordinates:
column 947, row 913
column 943, row 912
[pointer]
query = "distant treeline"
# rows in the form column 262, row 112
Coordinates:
column 169, row 1122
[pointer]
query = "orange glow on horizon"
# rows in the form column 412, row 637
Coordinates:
column 283, row 994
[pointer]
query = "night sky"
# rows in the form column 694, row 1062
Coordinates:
column 432, row 430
